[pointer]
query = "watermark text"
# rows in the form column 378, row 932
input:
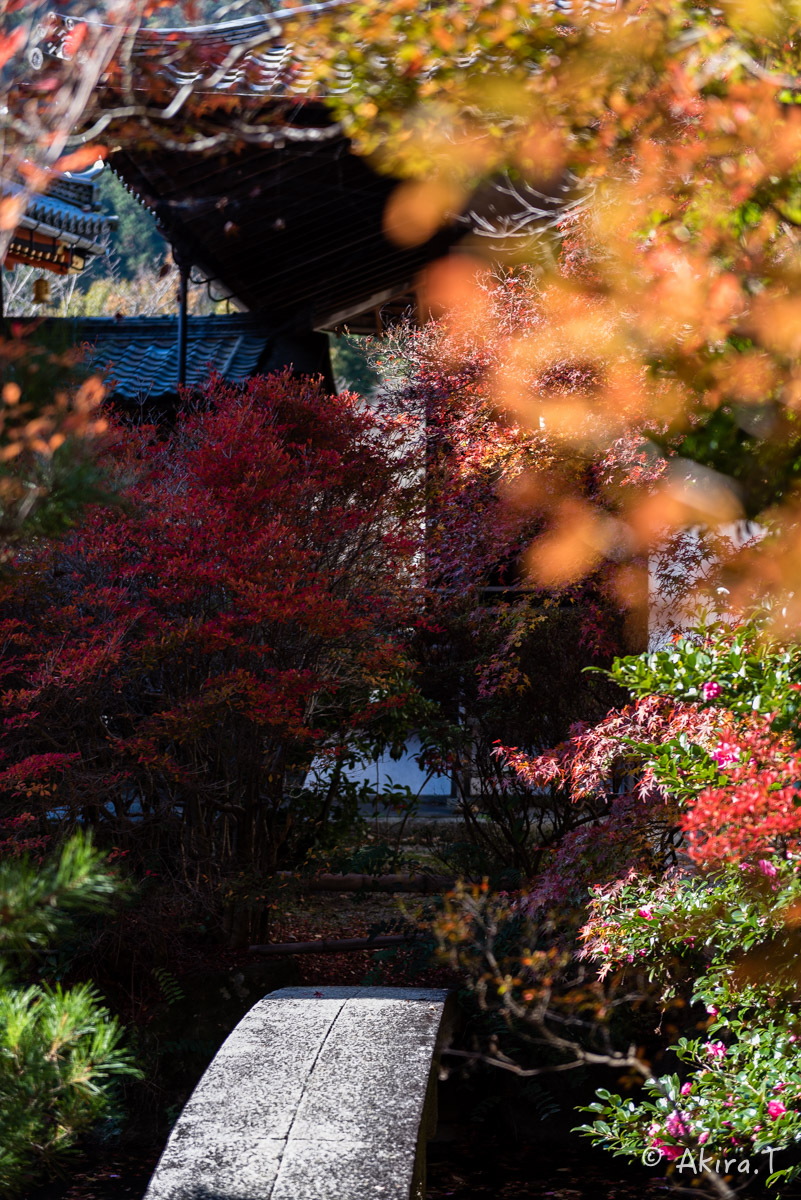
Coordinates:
column 697, row 1162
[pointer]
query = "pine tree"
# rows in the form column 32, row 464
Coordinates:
column 60, row 1050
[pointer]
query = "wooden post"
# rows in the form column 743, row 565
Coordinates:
column 183, row 280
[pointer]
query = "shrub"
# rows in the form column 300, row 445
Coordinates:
column 687, row 840
column 728, row 942
column 60, row 1049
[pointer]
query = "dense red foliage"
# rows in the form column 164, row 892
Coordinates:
column 502, row 651
column 618, row 815
column 180, row 659
column 596, row 760
column 757, row 809
column 496, row 475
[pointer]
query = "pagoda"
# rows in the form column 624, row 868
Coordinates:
column 62, row 230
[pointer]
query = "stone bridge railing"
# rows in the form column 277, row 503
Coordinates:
column 318, row 1094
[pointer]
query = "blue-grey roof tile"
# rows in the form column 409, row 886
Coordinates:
column 140, row 354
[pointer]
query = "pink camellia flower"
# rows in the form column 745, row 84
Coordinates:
column 713, row 1010
column 711, row 690
column 767, row 868
column 667, row 1151
column 780, row 1087
column 703, row 1138
column 686, row 1088
column 726, row 753
column 646, row 912
column 776, row 1109
column 676, row 1126
column 715, row 1050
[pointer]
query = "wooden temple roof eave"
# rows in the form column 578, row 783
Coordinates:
column 297, row 231
column 199, row 262
column 60, row 229
column 335, row 321
column 197, row 255
column 281, row 216
column 244, row 258
column 70, row 239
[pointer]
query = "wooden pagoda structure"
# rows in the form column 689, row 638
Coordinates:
column 62, row 230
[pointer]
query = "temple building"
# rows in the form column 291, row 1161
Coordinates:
column 62, row 230
column 259, row 194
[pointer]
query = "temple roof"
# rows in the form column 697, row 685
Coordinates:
column 278, row 214
column 294, row 232
column 140, row 354
column 221, row 132
column 260, row 57
column 61, row 229
column 249, row 58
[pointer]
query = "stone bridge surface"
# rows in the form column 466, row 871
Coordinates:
column 318, row 1094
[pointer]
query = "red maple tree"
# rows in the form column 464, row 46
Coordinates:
column 178, row 661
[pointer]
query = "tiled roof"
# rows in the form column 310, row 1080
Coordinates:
column 250, row 56
column 91, row 227
column 282, row 218
column 245, row 57
column 74, row 220
column 140, row 354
